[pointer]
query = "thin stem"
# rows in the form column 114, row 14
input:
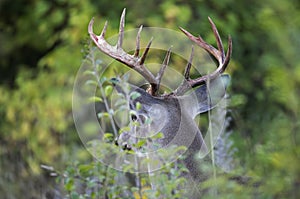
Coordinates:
column 111, row 119
column 149, row 167
column 210, row 130
column 137, row 166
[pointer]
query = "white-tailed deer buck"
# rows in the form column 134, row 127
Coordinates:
column 173, row 114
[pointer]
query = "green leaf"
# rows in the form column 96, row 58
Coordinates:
column 128, row 168
column 95, row 99
column 91, row 183
column 136, row 123
column 104, row 114
column 138, row 106
column 120, row 101
column 108, row 135
column 108, row 90
column 140, row 143
column 89, row 72
column 103, row 79
column 85, row 169
column 124, row 129
column 158, row 136
column 91, row 82
column 134, row 95
column 69, row 186
column 75, row 195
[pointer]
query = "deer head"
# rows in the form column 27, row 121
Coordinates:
column 173, row 113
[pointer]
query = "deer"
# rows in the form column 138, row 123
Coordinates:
column 172, row 113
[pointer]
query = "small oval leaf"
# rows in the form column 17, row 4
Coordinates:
column 95, row 99
column 91, row 82
column 138, row 106
column 102, row 114
column 158, row 136
column 134, row 95
column 89, row 72
column 108, row 90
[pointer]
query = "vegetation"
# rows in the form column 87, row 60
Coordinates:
column 43, row 43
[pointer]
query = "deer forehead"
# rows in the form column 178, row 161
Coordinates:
column 157, row 111
column 158, row 108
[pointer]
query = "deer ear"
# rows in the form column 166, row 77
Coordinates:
column 207, row 96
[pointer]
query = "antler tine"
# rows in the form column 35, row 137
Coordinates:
column 228, row 54
column 138, row 38
column 143, row 57
column 121, row 29
column 189, row 65
column 218, row 39
column 163, row 67
column 104, row 30
column 200, row 42
column 90, row 29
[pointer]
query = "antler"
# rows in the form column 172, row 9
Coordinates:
column 133, row 61
column 218, row 54
column 137, row 63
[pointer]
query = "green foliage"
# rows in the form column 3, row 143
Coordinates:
column 94, row 180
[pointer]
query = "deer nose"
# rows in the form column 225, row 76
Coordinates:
column 133, row 117
column 141, row 118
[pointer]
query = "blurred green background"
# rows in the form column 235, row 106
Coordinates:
column 41, row 50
